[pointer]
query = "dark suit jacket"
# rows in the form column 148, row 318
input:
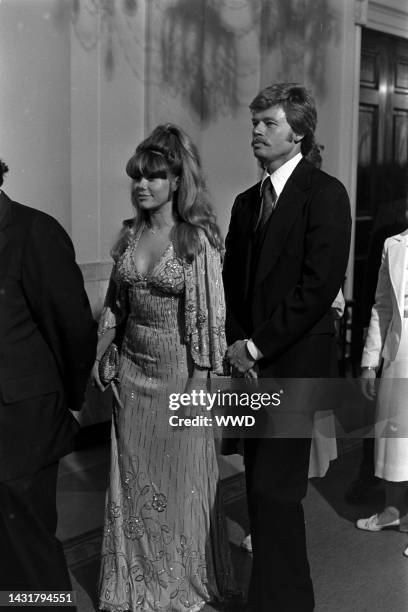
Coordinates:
column 285, row 297
column 47, row 340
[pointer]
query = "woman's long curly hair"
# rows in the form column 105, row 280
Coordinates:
column 169, row 152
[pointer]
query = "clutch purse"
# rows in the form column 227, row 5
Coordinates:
column 109, row 364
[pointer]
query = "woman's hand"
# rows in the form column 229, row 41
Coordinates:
column 96, row 381
column 368, row 384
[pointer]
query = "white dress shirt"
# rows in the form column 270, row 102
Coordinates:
column 282, row 174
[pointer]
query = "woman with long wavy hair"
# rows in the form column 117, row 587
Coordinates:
column 165, row 545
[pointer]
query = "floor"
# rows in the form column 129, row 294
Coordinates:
column 353, row 571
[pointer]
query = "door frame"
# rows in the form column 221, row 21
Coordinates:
column 389, row 17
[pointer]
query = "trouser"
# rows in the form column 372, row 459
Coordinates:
column 31, row 557
column 277, row 476
column 367, row 467
column 277, row 470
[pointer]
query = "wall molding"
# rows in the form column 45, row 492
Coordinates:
column 389, row 16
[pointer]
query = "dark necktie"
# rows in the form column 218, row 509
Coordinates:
column 269, row 199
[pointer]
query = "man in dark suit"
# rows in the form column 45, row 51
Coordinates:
column 47, row 348
column 286, row 255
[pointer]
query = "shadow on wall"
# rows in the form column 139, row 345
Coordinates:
column 199, row 50
column 196, row 52
column 199, row 57
column 302, row 30
column 108, row 23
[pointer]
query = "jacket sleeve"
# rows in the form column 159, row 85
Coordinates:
column 325, row 255
column 55, row 291
column 232, row 280
column 115, row 309
column 381, row 315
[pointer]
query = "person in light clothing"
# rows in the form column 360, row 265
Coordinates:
column 387, row 338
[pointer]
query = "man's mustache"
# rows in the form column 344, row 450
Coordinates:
column 258, row 140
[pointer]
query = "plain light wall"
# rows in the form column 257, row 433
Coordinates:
column 108, row 119
column 35, row 106
column 67, row 127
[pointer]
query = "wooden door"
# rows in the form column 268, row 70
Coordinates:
column 382, row 164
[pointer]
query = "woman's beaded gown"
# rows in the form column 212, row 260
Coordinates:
column 165, row 546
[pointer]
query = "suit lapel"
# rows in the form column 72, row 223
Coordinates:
column 397, row 256
column 289, row 206
column 5, row 219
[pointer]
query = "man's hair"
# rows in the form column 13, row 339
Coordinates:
column 3, row 170
column 299, row 107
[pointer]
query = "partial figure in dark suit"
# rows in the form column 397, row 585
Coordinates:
column 47, row 349
column 286, row 255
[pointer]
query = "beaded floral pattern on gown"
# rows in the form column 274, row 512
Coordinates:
column 165, row 546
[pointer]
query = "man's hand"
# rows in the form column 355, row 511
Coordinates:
column 368, row 384
column 237, row 355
